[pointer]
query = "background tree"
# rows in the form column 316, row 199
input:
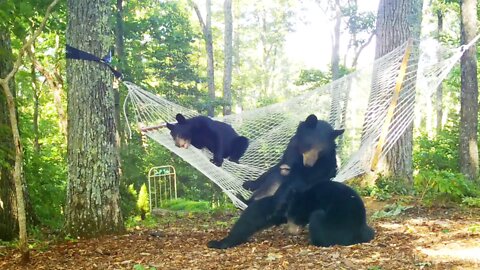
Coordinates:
column 469, row 93
column 8, row 212
column 93, row 201
column 398, row 21
column 206, row 27
column 228, row 57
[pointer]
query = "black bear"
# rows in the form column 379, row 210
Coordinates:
column 309, row 157
column 335, row 214
column 203, row 132
column 311, row 153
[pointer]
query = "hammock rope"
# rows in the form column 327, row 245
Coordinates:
column 361, row 101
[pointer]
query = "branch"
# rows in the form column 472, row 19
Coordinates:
column 200, row 18
column 28, row 43
column 357, row 55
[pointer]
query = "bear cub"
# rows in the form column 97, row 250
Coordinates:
column 335, row 214
column 203, row 132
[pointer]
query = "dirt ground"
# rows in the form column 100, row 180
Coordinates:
column 418, row 238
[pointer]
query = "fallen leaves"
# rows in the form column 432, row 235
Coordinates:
column 401, row 243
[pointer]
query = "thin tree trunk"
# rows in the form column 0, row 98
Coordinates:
column 93, row 202
column 439, row 91
column 36, row 105
column 335, row 65
column 469, row 94
column 207, row 36
column 17, row 173
column 120, row 52
column 56, row 86
column 397, row 21
column 228, row 51
column 8, row 209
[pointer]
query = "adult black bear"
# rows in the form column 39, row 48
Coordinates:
column 335, row 214
column 204, row 132
column 309, row 157
column 311, row 153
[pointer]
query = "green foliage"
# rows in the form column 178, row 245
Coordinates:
column 440, row 153
column 313, row 77
column 435, row 185
column 471, row 201
column 136, row 222
column 142, row 201
column 187, row 205
column 390, row 211
column 436, row 162
column 159, row 51
column 141, row 267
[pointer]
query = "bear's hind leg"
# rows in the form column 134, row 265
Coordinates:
column 325, row 234
column 237, row 148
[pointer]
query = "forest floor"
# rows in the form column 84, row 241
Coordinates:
column 417, row 238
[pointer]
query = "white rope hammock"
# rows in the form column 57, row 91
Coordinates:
column 270, row 128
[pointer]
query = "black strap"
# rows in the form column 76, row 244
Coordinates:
column 74, row 53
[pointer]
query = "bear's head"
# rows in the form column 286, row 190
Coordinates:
column 314, row 139
column 181, row 131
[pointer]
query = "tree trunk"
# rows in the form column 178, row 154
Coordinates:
column 8, row 204
column 335, row 68
column 36, row 105
column 120, row 52
column 469, row 94
column 210, row 61
column 56, row 86
column 228, row 51
column 439, row 91
column 397, row 21
column 207, row 36
column 93, row 190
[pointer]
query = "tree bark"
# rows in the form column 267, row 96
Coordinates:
column 36, row 105
column 469, row 93
column 120, row 52
column 93, row 190
column 207, row 36
column 335, row 65
column 439, row 91
column 397, row 21
column 8, row 204
column 228, row 51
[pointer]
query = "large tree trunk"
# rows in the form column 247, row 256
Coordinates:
column 228, row 51
column 469, row 95
column 8, row 204
column 93, row 190
column 397, row 21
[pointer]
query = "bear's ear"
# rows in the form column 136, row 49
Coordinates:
column 337, row 132
column 311, row 121
column 180, row 118
column 170, row 126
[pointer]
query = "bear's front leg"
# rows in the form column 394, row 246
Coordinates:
column 257, row 216
column 218, row 156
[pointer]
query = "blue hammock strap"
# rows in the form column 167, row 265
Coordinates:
column 74, row 53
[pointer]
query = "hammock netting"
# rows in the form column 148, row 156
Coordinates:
column 358, row 102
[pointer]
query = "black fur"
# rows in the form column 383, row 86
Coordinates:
column 311, row 135
column 203, row 132
column 265, row 210
column 335, row 214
